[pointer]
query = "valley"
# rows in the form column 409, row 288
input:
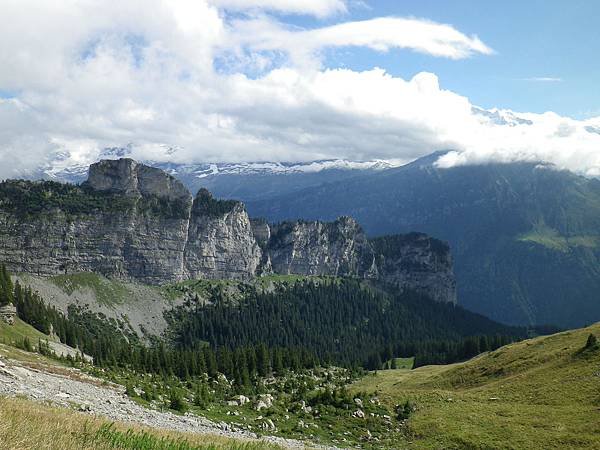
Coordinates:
column 168, row 314
column 537, row 393
column 299, row 224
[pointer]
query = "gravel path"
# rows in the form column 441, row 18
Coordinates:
column 72, row 389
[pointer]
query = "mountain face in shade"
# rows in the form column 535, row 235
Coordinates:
column 525, row 237
column 132, row 221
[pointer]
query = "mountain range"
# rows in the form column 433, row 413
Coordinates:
column 131, row 221
column 524, row 236
column 243, row 181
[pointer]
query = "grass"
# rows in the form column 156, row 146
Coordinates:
column 11, row 338
column 205, row 289
column 401, row 363
column 28, row 425
column 107, row 292
column 539, row 393
column 236, row 290
column 11, row 334
column 550, row 238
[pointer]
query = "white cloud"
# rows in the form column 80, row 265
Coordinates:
column 544, row 79
column 380, row 34
column 318, row 8
column 87, row 76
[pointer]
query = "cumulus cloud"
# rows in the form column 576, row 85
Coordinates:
column 182, row 81
column 317, row 8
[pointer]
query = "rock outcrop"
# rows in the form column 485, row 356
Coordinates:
column 131, row 221
column 127, row 177
column 417, row 262
column 317, row 248
column 220, row 242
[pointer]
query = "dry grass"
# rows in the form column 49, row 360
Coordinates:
column 26, row 425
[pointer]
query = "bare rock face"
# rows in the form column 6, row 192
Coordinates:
column 127, row 177
column 317, row 248
column 220, row 242
column 127, row 221
column 131, row 221
column 417, row 262
column 413, row 261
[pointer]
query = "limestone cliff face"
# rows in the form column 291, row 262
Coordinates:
column 133, row 225
column 413, row 261
column 220, row 242
column 130, row 221
column 417, row 262
column 317, row 248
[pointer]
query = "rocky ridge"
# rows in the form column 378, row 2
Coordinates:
column 134, row 222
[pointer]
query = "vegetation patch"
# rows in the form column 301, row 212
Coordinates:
column 31, row 198
column 533, row 394
column 107, row 292
column 206, row 204
column 550, row 238
column 31, row 426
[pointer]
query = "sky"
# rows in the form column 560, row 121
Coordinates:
column 297, row 80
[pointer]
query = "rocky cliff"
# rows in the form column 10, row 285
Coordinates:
column 131, row 221
column 317, row 248
column 220, row 240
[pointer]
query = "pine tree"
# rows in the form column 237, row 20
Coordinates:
column 263, row 364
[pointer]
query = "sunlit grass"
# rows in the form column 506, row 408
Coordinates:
column 539, row 393
column 28, row 425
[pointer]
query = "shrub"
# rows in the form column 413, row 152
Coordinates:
column 176, row 401
column 592, row 342
column 404, row 411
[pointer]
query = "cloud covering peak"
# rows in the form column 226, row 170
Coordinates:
column 226, row 80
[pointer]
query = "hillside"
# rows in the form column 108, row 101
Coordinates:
column 44, row 404
column 525, row 238
column 338, row 319
column 538, row 393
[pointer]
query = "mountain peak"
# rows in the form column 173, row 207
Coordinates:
column 129, row 177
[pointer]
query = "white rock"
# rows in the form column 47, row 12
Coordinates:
column 359, row 414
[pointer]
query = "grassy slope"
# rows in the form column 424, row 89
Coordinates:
column 108, row 292
column 28, row 425
column 10, row 334
column 539, row 393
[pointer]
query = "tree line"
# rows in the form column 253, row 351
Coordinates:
column 344, row 322
column 339, row 322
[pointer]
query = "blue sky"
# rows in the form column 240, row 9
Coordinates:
column 532, row 39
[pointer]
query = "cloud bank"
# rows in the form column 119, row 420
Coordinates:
column 227, row 80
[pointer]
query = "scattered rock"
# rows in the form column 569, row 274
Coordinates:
column 267, row 399
column 242, row 400
column 261, row 405
column 92, row 397
column 359, row 414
